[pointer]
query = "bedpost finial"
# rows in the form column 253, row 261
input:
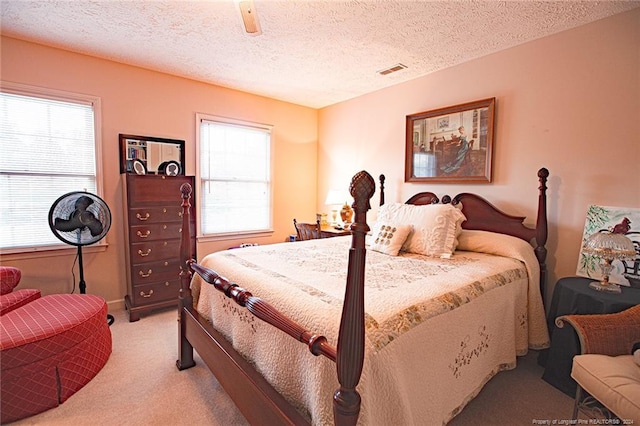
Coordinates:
column 185, row 189
column 543, row 173
column 362, row 188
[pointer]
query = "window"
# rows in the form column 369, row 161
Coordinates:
column 48, row 147
column 235, row 177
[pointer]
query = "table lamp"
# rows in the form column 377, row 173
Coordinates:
column 608, row 246
column 339, row 201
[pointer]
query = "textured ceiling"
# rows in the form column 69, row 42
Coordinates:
column 313, row 53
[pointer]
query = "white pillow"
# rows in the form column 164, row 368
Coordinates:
column 388, row 238
column 435, row 226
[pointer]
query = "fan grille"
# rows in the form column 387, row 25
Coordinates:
column 79, row 218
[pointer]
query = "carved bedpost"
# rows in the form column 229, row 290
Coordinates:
column 382, row 179
column 350, row 358
column 541, row 230
column 185, row 298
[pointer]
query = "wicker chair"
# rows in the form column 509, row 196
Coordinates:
column 307, row 231
column 608, row 378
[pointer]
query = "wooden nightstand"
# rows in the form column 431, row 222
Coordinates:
column 330, row 231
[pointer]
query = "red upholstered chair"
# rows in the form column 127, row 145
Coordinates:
column 50, row 347
column 9, row 299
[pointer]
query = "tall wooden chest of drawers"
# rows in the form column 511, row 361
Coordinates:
column 153, row 227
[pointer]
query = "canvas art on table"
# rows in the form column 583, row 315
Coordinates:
column 601, row 218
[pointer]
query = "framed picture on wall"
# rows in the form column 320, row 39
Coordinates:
column 454, row 144
column 150, row 155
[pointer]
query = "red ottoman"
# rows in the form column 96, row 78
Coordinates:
column 50, row 348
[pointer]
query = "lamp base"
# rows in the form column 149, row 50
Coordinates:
column 334, row 217
column 608, row 287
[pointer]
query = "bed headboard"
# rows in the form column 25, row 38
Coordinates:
column 484, row 216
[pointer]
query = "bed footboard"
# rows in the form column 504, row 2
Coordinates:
column 255, row 398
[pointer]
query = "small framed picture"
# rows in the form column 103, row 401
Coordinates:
column 138, row 167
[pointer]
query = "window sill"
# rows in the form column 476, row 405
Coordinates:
column 234, row 236
column 48, row 251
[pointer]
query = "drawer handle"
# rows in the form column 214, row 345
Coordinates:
column 166, row 263
column 143, row 275
column 146, row 295
column 142, row 218
column 166, row 283
column 145, row 235
column 164, row 210
column 141, row 253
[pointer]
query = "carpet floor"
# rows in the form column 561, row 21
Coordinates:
column 140, row 385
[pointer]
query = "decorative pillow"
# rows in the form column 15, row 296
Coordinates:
column 388, row 238
column 435, row 226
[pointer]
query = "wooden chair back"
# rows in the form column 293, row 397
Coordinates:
column 307, row 231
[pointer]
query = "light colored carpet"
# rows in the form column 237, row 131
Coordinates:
column 140, row 385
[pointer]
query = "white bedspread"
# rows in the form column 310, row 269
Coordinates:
column 436, row 329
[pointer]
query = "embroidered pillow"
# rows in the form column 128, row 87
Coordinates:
column 435, row 227
column 388, row 238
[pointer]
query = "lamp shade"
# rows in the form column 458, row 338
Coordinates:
column 608, row 245
column 337, row 197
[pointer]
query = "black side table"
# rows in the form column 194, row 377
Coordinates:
column 573, row 295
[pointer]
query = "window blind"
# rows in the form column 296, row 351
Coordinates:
column 47, row 148
column 235, row 178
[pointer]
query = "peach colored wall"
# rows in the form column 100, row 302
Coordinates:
column 569, row 102
column 143, row 102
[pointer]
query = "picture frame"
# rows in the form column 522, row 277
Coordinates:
column 151, row 155
column 451, row 144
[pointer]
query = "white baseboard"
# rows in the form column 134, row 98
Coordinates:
column 116, row 305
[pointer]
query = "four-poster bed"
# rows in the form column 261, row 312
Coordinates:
column 425, row 333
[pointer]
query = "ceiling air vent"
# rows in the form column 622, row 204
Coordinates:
column 396, row 67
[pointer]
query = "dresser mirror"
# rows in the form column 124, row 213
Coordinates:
column 150, row 155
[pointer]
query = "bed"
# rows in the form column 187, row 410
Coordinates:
column 437, row 324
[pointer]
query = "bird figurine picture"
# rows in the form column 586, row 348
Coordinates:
column 622, row 228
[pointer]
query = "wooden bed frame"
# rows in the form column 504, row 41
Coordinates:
column 256, row 399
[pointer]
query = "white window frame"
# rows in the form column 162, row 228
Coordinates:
column 64, row 96
column 200, row 117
